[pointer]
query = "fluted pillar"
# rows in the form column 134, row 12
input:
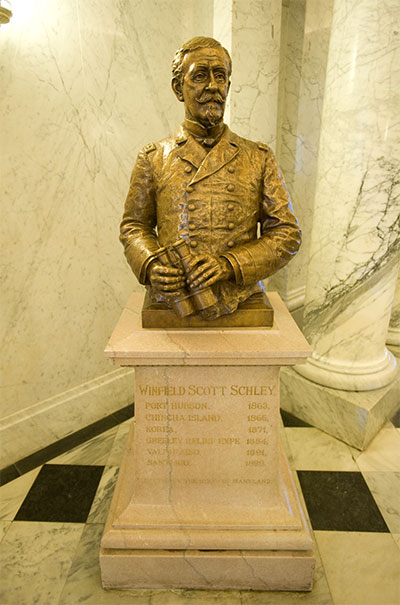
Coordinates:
column 356, row 228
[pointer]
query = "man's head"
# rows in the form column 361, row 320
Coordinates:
column 200, row 79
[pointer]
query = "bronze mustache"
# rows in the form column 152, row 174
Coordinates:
column 208, row 98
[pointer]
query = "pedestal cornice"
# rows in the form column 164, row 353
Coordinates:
column 132, row 345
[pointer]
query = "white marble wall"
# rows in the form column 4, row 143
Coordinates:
column 84, row 85
column 356, row 226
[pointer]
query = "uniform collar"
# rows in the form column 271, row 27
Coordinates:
column 206, row 136
column 206, row 163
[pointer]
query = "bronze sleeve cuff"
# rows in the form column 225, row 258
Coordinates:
column 235, row 267
column 252, row 262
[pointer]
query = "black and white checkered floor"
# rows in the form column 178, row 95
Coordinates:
column 53, row 507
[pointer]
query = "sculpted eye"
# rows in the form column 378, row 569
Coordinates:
column 200, row 76
column 220, row 77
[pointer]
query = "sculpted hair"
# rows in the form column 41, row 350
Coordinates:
column 190, row 46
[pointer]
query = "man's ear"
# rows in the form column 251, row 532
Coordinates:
column 177, row 88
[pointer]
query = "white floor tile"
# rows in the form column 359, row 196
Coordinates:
column 361, row 568
column 314, row 450
column 95, row 451
column 383, row 453
column 35, row 559
column 13, row 494
column 385, row 488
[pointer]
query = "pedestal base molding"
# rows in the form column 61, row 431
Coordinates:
column 213, row 570
column 350, row 416
column 135, row 554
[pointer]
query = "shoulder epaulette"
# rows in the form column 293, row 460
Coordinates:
column 148, row 148
column 263, row 146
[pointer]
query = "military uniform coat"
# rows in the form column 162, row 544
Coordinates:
column 218, row 201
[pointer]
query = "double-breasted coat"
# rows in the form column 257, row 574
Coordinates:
column 231, row 201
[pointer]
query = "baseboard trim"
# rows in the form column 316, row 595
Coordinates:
column 20, row 467
column 36, row 427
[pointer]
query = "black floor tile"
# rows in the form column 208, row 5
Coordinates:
column 290, row 420
column 340, row 501
column 61, row 493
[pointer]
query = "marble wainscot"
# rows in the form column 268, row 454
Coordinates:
column 205, row 497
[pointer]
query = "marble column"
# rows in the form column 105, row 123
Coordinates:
column 356, row 229
column 393, row 336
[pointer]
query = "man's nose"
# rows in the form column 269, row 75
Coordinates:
column 212, row 84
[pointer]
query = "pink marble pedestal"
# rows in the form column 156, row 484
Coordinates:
column 205, row 497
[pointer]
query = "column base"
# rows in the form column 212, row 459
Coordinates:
column 349, row 377
column 353, row 417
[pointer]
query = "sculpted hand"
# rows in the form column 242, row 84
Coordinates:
column 164, row 278
column 205, row 270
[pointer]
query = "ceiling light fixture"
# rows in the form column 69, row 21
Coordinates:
column 5, row 12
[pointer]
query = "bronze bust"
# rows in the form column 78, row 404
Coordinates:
column 208, row 214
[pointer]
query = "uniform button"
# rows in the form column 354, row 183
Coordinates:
column 231, row 244
column 193, row 244
column 188, row 169
column 231, row 169
column 189, row 189
column 191, row 207
column 231, row 187
column 231, row 207
column 192, row 226
column 231, row 226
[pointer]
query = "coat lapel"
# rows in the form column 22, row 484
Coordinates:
column 223, row 152
column 189, row 149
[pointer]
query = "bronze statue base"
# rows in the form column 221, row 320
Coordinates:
column 256, row 311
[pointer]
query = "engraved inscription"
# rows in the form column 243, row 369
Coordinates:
column 187, row 421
